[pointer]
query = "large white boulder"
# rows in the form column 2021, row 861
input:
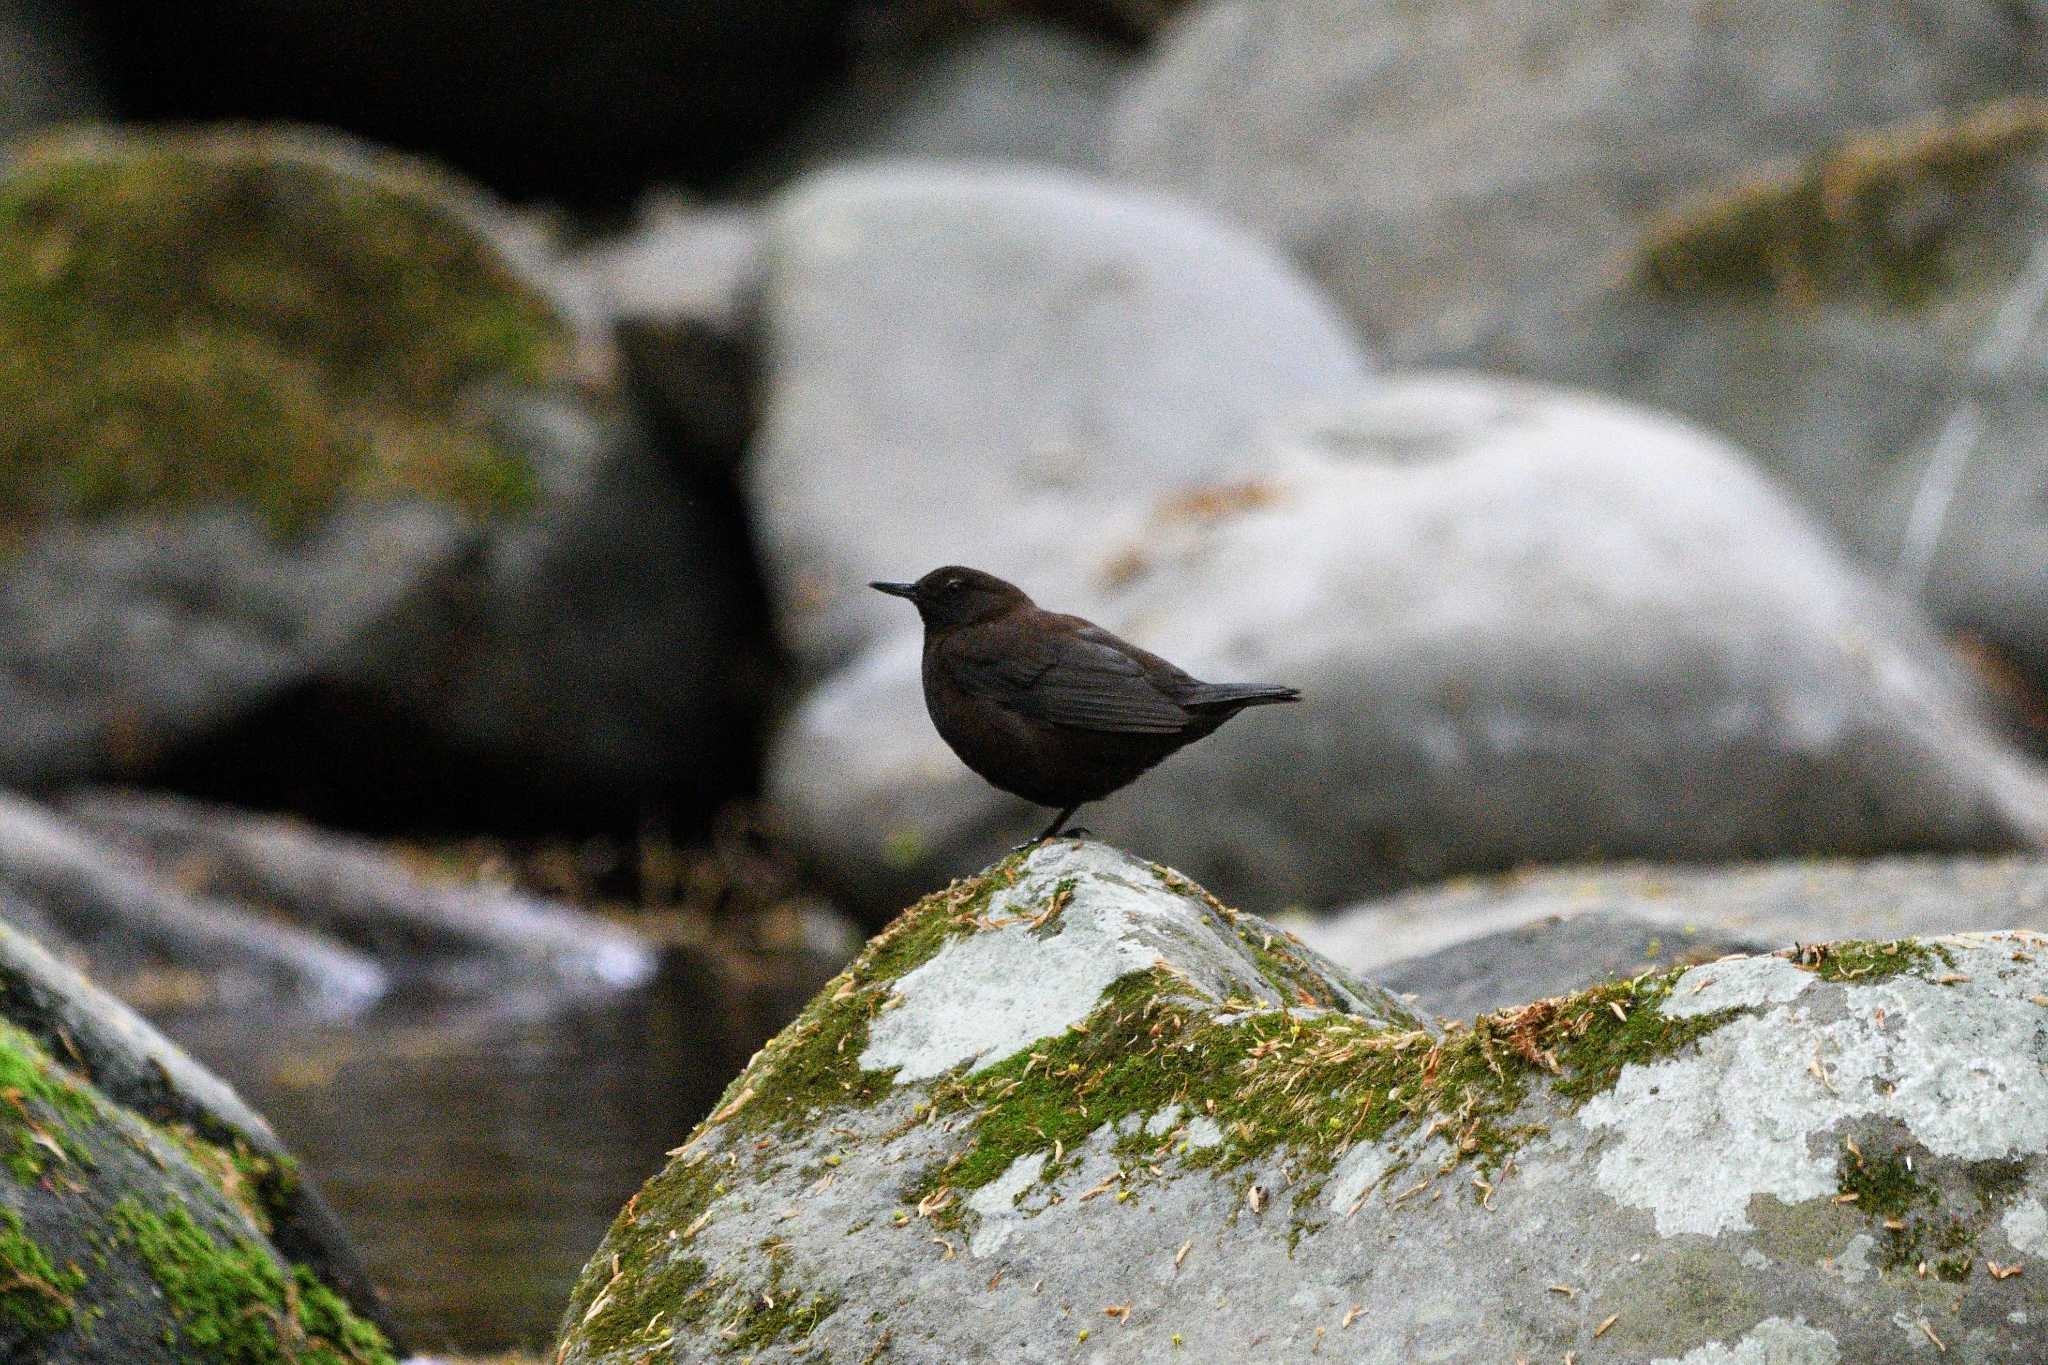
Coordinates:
column 1529, row 625
column 984, row 365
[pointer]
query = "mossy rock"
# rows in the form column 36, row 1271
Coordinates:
column 122, row 1239
column 298, row 436
column 266, row 317
column 1075, row 1103
column 1867, row 321
column 76, row 1063
column 1879, row 212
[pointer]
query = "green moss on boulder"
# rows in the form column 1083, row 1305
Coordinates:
column 235, row 1304
column 40, row 1109
column 1163, row 1143
column 809, row 1065
column 1304, row 1083
column 1862, row 962
column 190, row 316
column 1307, row 1084
column 103, row 1196
column 649, row 1282
column 1874, row 213
column 36, row 1298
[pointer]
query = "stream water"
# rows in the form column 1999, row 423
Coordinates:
column 478, row 1155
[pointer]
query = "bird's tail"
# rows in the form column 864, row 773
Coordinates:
column 1236, row 696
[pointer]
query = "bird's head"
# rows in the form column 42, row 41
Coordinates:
column 956, row 596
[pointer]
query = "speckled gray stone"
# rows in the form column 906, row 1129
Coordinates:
column 1479, row 943
column 1687, row 1215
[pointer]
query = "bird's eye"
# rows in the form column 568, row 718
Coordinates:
column 955, row 584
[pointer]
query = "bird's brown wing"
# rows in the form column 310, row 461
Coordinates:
column 1082, row 680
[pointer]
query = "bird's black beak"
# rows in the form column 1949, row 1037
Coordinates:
column 896, row 589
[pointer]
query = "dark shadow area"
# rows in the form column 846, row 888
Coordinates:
column 582, row 103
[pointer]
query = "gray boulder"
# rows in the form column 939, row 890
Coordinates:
column 352, row 464
column 1460, row 176
column 1529, row 626
column 1481, row 943
column 1873, row 323
column 152, row 1216
column 457, row 938
column 150, row 936
column 1547, row 955
column 126, row 640
column 981, row 365
column 581, row 653
column 1075, row 1110
column 1013, row 90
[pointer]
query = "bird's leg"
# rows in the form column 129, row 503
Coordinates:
column 1053, row 829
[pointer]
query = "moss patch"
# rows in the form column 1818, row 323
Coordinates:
column 776, row 1313
column 812, row 1064
column 236, row 1304
column 262, row 1185
column 643, row 1279
column 1919, row 1223
column 644, row 1283
column 1877, row 212
column 40, row 1108
column 1860, row 963
column 1311, row 1085
column 35, row 1296
column 192, row 316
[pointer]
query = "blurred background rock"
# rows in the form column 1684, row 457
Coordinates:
column 446, row 445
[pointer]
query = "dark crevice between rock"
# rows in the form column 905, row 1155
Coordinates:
column 351, row 763
column 584, row 104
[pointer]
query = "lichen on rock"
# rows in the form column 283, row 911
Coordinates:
column 273, row 318
column 1711, row 1163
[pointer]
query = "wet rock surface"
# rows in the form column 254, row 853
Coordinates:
column 180, row 903
column 459, row 939
column 70, row 889
column 1529, row 625
column 148, row 1214
column 949, row 1159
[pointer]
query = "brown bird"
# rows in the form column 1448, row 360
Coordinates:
column 1053, row 708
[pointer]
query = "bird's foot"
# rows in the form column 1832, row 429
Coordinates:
column 1077, row 832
